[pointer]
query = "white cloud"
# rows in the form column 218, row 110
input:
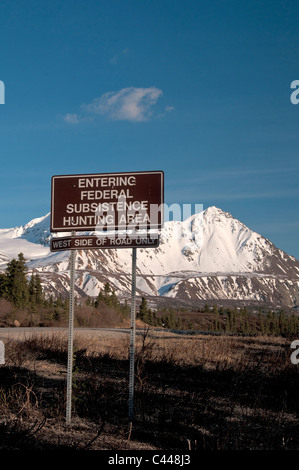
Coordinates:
column 71, row 118
column 168, row 109
column 115, row 59
column 128, row 104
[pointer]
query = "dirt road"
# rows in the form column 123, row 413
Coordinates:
column 25, row 332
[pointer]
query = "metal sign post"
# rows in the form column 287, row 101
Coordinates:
column 70, row 337
column 132, row 336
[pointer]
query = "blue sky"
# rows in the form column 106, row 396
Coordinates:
column 198, row 89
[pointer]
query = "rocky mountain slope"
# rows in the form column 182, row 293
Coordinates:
column 208, row 257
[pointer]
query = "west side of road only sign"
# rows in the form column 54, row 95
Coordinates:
column 107, row 201
column 87, row 242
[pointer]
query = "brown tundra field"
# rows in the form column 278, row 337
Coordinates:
column 192, row 392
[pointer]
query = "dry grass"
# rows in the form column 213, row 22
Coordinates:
column 191, row 392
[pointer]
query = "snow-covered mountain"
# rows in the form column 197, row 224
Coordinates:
column 209, row 256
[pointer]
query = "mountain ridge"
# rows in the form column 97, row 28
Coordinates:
column 210, row 255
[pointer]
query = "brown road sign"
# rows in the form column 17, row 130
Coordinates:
column 89, row 242
column 107, row 201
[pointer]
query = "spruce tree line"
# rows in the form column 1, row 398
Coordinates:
column 15, row 287
column 265, row 323
column 23, row 293
column 225, row 320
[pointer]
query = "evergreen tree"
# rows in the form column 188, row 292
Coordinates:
column 113, row 300
column 217, row 323
column 39, row 295
column 51, row 302
column 3, row 286
column 107, row 289
column 171, row 321
column 17, row 284
column 31, row 288
column 108, row 297
column 227, row 323
column 261, row 323
column 36, row 296
column 215, row 309
column 143, row 310
column 149, row 317
column 221, row 311
column 179, row 323
column 100, row 298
